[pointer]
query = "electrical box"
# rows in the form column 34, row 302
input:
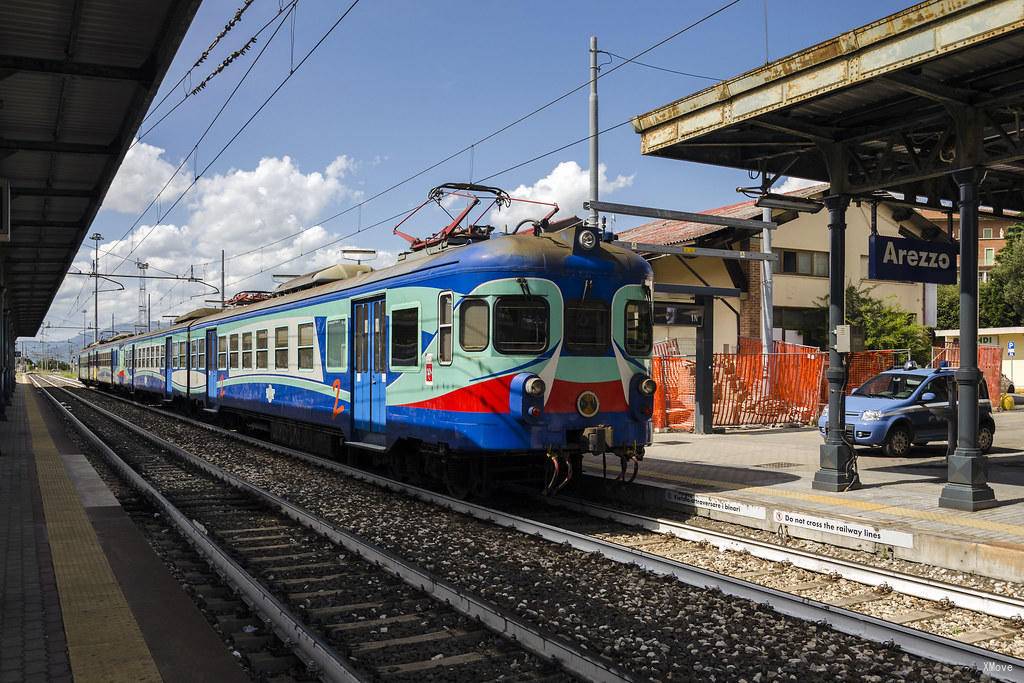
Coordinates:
column 849, row 338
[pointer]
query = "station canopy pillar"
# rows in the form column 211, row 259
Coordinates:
column 967, row 477
column 837, row 465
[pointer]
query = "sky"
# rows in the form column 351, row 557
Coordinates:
column 398, row 86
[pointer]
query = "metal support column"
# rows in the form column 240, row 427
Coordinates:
column 703, row 369
column 837, row 465
column 967, row 477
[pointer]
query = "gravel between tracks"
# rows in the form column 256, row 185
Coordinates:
column 655, row 626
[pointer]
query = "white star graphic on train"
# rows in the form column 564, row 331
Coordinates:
column 270, row 393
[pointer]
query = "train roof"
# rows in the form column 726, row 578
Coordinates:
column 546, row 252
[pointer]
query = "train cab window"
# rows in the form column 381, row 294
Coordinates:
column 247, row 350
column 305, row 346
column 222, row 353
column 405, row 337
column 474, row 324
column 337, row 346
column 233, row 352
column 261, row 349
column 639, row 333
column 201, row 356
column 520, row 324
column 444, row 329
column 587, row 328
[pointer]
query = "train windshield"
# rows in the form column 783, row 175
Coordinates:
column 520, row 324
column 586, row 327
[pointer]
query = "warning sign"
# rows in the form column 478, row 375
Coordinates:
column 841, row 527
column 696, row 500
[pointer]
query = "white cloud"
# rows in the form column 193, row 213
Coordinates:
column 568, row 185
column 793, row 183
column 142, row 174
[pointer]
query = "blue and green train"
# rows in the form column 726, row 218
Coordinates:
column 465, row 357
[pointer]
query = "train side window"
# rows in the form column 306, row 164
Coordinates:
column 201, row 362
column 587, row 328
column 281, row 348
column 193, row 348
column 337, row 347
column 261, row 349
column 444, row 328
column 520, row 324
column 305, row 346
column 222, row 353
column 233, row 353
column 360, row 335
column 405, row 337
column 474, row 324
column 639, row 333
column 246, row 350
column 182, row 351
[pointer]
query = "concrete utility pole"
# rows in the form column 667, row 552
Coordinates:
column 594, row 175
column 767, row 321
column 96, row 237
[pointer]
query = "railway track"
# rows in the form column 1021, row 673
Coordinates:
column 910, row 639
column 345, row 617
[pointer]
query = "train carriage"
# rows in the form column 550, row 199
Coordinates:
column 521, row 349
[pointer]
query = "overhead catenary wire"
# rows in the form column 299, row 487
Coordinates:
column 471, row 147
column 662, row 68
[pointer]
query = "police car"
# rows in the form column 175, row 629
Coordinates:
column 906, row 407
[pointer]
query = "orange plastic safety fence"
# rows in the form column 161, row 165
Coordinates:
column 990, row 362
column 674, row 401
column 863, row 365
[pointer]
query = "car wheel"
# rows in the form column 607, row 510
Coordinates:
column 897, row 444
column 985, row 438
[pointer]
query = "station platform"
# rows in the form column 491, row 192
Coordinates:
column 83, row 597
column 762, row 479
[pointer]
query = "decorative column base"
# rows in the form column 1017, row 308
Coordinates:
column 967, row 488
column 836, row 473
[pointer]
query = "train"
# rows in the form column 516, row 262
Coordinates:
column 479, row 355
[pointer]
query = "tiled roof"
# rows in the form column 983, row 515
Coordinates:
column 678, row 232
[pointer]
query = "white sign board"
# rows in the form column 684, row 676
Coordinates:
column 841, row 527
column 697, row 500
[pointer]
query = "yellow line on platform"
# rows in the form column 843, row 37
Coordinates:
column 104, row 640
column 951, row 518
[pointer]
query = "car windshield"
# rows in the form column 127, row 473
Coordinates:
column 890, row 385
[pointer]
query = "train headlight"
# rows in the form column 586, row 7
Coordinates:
column 534, row 386
column 587, row 404
column 648, row 386
column 588, row 239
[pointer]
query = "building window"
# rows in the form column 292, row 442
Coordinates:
column 801, row 325
column 986, row 233
column 222, row 353
column 281, row 348
column 587, row 328
column 990, row 255
column 336, row 344
column 520, row 324
column 234, row 351
column 474, row 324
column 405, row 332
column 445, row 313
column 305, row 346
column 800, row 262
column 261, row 349
column 247, row 350
column 639, row 333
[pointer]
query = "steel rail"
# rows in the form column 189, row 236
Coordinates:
column 1004, row 607
column 318, row 655
column 500, row 621
column 931, row 646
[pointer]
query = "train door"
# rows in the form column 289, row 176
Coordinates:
column 369, row 367
column 211, row 367
column 170, row 358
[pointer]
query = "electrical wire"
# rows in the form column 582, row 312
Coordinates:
column 661, row 68
column 471, row 147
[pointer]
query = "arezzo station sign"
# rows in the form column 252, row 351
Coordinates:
column 908, row 260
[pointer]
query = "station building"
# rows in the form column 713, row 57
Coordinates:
column 800, row 275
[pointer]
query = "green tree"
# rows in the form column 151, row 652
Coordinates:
column 885, row 325
column 947, row 307
column 1003, row 302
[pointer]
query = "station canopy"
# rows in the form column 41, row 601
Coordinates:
column 892, row 106
column 76, row 79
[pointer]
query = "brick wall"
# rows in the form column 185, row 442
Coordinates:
column 750, row 307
